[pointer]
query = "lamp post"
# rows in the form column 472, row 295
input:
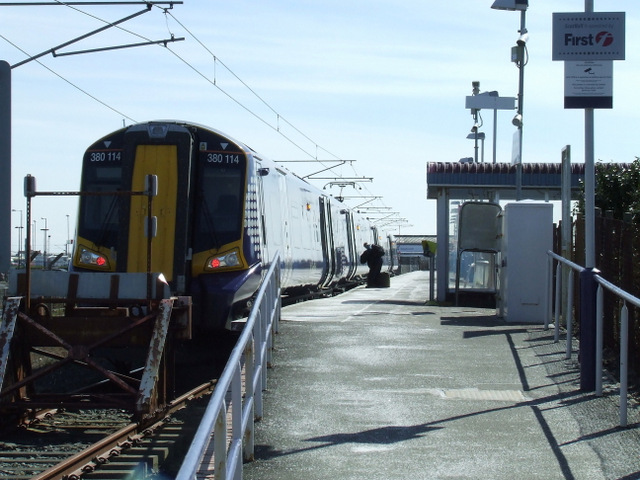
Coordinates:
column 66, row 245
column 491, row 101
column 518, row 56
column 475, row 114
column 20, row 246
column 475, row 135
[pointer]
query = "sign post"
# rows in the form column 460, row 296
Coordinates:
column 588, row 42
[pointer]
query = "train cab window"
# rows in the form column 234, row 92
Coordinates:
column 219, row 207
column 99, row 214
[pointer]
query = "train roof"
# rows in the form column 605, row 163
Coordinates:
column 257, row 155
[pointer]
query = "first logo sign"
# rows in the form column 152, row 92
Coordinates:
column 588, row 36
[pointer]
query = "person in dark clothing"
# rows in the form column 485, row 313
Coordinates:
column 372, row 256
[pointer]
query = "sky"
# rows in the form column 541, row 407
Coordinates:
column 378, row 83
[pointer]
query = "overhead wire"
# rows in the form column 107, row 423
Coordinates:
column 106, row 22
column 237, row 102
column 93, row 97
column 279, row 117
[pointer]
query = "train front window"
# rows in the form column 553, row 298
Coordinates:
column 98, row 220
column 219, row 206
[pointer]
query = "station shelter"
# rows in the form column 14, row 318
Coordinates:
column 453, row 183
column 411, row 255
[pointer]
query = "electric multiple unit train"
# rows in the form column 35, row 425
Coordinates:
column 220, row 214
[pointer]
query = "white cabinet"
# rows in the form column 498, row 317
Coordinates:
column 527, row 236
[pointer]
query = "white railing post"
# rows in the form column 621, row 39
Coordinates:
column 569, row 315
column 249, row 372
column 558, row 302
column 220, row 444
column 624, row 352
column 599, row 338
column 236, row 398
column 259, row 364
column 547, row 320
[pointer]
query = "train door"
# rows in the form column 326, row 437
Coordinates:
column 265, row 250
column 160, row 160
column 353, row 249
column 274, row 213
column 328, row 246
column 287, row 254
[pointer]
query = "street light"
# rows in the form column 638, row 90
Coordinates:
column 518, row 56
column 491, row 101
column 476, row 116
column 475, row 135
column 510, row 4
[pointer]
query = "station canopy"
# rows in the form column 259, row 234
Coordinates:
column 491, row 181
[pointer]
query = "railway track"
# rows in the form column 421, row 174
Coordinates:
column 102, row 444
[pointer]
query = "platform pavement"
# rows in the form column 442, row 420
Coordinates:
column 375, row 384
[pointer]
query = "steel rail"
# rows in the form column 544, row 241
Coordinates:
column 89, row 459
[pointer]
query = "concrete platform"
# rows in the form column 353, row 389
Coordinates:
column 375, row 384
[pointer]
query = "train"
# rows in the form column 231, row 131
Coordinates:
column 221, row 212
column 177, row 227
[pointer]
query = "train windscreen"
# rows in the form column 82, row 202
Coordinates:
column 219, row 206
column 98, row 220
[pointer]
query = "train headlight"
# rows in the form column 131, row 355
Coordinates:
column 88, row 257
column 221, row 261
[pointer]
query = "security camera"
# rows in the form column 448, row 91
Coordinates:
column 523, row 39
column 517, row 120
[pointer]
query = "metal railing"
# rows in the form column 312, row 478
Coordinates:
column 624, row 325
column 570, row 267
column 253, row 350
column 624, row 340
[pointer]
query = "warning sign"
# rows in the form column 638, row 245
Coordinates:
column 588, row 84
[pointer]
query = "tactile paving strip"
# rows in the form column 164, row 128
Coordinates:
column 496, row 395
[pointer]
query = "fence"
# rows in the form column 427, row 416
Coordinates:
column 253, row 349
